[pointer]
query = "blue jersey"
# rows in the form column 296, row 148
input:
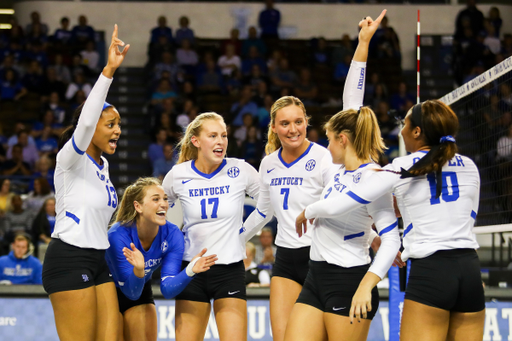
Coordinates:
column 21, row 271
column 166, row 250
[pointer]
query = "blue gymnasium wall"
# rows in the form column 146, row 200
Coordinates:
column 29, row 319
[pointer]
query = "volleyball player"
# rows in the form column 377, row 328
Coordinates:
column 75, row 273
column 141, row 241
column 212, row 190
column 293, row 176
column 438, row 198
column 340, row 281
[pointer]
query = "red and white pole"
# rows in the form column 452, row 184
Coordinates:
column 418, row 61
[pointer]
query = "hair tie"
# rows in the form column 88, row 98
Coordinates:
column 447, row 138
column 106, row 105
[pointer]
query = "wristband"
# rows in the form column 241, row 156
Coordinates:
column 190, row 272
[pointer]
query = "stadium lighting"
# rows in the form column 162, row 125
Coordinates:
column 5, row 26
column 6, row 11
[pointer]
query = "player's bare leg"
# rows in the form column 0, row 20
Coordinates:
column 283, row 294
column 231, row 317
column 191, row 320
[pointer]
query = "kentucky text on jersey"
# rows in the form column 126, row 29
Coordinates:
column 201, row 192
column 286, row 181
column 152, row 262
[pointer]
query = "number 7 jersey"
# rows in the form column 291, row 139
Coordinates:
column 287, row 188
column 213, row 206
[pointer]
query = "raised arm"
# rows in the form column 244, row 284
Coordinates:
column 353, row 92
column 93, row 106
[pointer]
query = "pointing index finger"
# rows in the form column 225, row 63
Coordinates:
column 114, row 34
column 379, row 19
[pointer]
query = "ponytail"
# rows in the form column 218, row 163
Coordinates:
column 187, row 149
column 70, row 130
column 439, row 125
column 273, row 142
column 362, row 129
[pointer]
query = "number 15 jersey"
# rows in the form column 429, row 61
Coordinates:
column 213, row 206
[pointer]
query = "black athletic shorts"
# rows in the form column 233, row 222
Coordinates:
column 145, row 298
column 449, row 280
column 330, row 288
column 292, row 264
column 221, row 281
column 67, row 267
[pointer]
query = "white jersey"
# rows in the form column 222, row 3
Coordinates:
column 85, row 196
column 213, row 206
column 345, row 240
column 430, row 224
column 444, row 223
column 287, row 188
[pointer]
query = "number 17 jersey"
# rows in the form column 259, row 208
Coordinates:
column 213, row 206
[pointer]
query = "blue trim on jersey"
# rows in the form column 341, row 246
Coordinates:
column 94, row 161
column 362, row 166
column 75, row 147
column 408, row 229
column 72, row 216
column 422, row 151
column 288, row 165
column 389, row 228
column 357, row 198
column 473, row 214
column 261, row 214
column 211, row 175
column 352, row 236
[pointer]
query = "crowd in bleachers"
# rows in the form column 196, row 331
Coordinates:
column 241, row 78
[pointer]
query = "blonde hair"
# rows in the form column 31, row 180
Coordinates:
column 126, row 213
column 273, row 142
column 362, row 129
column 251, row 248
column 187, row 149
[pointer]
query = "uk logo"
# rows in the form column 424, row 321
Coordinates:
column 310, row 165
column 164, row 246
column 357, row 177
column 233, row 172
column 100, row 176
column 85, row 278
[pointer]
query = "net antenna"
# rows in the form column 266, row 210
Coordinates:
column 401, row 144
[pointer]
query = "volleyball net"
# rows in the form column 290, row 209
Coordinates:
column 484, row 108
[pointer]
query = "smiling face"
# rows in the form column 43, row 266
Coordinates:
column 290, row 126
column 153, row 208
column 107, row 131
column 212, row 142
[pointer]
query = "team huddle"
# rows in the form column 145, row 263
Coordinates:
column 325, row 201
